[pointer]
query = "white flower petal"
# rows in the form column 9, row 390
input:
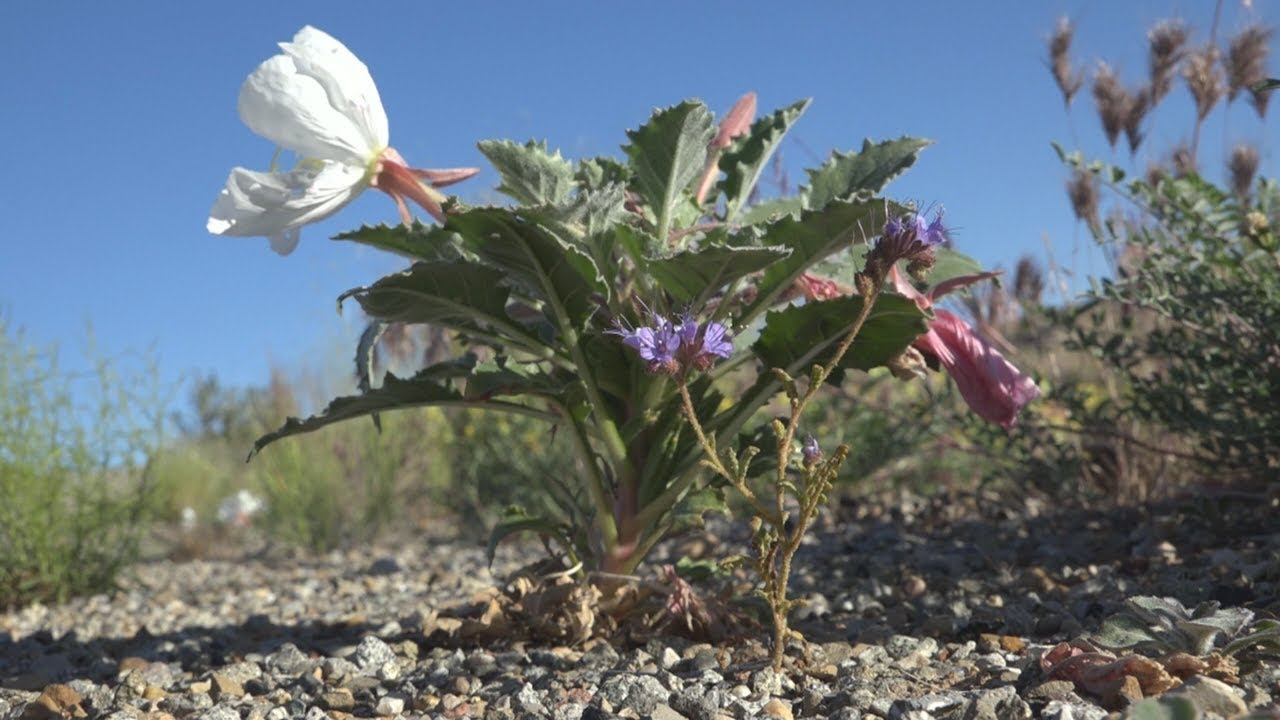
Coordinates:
column 277, row 205
column 292, row 109
column 347, row 81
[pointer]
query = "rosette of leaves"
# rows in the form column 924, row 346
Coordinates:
column 1155, row 625
column 532, row 291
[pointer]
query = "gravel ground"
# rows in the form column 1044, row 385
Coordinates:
column 917, row 609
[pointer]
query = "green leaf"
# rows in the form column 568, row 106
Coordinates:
column 812, row 237
column 544, row 265
column 772, row 210
column 666, row 155
column 595, row 173
column 491, row 380
column 950, row 264
column 867, row 170
column 530, row 174
column 444, row 293
column 1165, row 708
column 1124, row 631
column 1265, row 85
column 693, row 276
column 417, row 241
column 800, row 336
column 1263, row 632
column 365, row 349
column 516, row 520
column 422, row 390
column 743, row 162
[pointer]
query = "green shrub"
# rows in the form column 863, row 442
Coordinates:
column 1189, row 320
column 74, row 476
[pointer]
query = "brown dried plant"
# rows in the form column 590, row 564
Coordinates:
column 1166, row 43
column 1118, row 108
column 1082, row 188
column 1242, row 167
column 1069, row 79
column 1204, row 79
column 1246, row 65
column 1183, row 160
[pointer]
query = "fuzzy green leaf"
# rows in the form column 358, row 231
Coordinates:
column 547, row 267
column 798, row 337
column 811, row 237
column 950, row 264
column 864, row 171
column 1165, row 708
column 693, row 276
column 1124, row 631
column 1263, row 632
column 666, row 155
column 595, row 173
column 530, row 173
column 749, row 155
column 417, row 241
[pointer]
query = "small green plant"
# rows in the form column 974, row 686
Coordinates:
column 75, row 480
column 1156, row 626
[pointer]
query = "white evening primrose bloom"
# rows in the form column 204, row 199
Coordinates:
column 318, row 101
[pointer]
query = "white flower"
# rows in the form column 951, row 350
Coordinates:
column 318, row 101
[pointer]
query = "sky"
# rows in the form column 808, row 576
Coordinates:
column 120, row 125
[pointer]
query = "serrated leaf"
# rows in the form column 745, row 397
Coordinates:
column 797, row 337
column 517, row 521
column 811, row 237
column 689, row 514
column 666, row 154
column 441, row 292
column 693, row 276
column 547, row 267
column 421, row 390
column 530, row 173
column 595, row 173
column 772, row 210
column 749, row 155
column 417, row 241
column 864, row 171
column 1124, row 631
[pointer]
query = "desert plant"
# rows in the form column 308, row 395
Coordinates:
column 75, row 481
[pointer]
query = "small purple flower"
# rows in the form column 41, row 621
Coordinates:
column 934, row 233
column 810, row 450
column 668, row 347
column 910, row 237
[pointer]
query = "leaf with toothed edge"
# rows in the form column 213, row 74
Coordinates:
column 530, row 173
column 743, row 162
column 666, row 155
column 692, row 276
column 417, row 241
column 864, row 171
column 529, row 254
column 811, row 237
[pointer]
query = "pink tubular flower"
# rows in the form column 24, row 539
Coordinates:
column 989, row 383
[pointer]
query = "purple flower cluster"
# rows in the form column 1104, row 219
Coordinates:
column 674, row 348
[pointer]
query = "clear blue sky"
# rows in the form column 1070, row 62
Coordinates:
column 119, row 124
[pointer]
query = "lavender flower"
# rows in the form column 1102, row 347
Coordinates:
column 810, row 450
column 672, row 348
column 910, row 237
